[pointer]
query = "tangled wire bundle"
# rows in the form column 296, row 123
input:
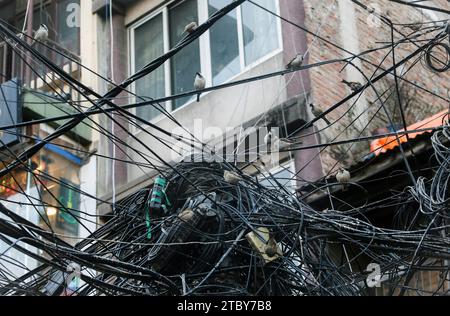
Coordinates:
column 218, row 238
column 208, row 228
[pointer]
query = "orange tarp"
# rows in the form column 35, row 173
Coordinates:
column 382, row 145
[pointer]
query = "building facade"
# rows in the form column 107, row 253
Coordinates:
column 50, row 189
column 248, row 42
column 258, row 38
column 105, row 42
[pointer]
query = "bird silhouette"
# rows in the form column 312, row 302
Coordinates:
column 354, row 86
column 343, row 177
column 271, row 247
column 190, row 28
column 296, row 62
column 41, row 35
column 199, row 84
column 319, row 113
column 231, row 177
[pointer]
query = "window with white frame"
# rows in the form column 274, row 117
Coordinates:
column 238, row 41
column 284, row 175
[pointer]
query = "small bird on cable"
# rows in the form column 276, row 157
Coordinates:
column 271, row 247
column 199, row 84
column 414, row 26
column 41, row 35
column 190, row 28
column 354, row 86
column 296, row 62
column 278, row 144
column 319, row 113
column 284, row 143
column 231, row 177
column 270, row 138
column 343, row 177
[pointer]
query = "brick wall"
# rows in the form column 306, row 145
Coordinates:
column 323, row 17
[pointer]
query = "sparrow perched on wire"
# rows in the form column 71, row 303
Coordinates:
column 354, row 86
column 199, row 84
column 278, row 144
column 271, row 247
column 296, row 62
column 231, row 177
column 190, row 28
column 270, row 138
column 41, row 35
column 319, row 113
column 343, row 177
column 414, row 26
column 284, row 143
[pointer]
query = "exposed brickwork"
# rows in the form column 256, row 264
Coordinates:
column 322, row 16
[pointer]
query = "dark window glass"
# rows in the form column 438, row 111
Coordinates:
column 148, row 45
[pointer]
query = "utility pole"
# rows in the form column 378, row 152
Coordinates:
column 30, row 16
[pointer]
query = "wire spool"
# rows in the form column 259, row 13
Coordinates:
column 434, row 62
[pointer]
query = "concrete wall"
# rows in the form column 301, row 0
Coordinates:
column 223, row 108
column 141, row 8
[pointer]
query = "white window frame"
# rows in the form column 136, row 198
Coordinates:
column 205, row 50
column 131, row 44
column 289, row 165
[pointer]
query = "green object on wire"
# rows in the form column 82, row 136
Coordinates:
column 156, row 201
column 148, row 223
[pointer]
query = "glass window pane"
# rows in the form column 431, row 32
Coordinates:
column 186, row 63
column 148, row 45
column 260, row 29
column 284, row 177
column 224, row 44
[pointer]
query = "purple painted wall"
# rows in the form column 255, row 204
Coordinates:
column 307, row 162
column 294, row 42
